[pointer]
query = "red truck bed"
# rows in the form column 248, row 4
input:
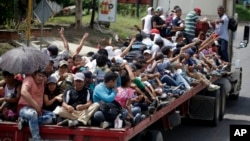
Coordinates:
column 10, row 132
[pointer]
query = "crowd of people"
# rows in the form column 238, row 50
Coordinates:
column 117, row 87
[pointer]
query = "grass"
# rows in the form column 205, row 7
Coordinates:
column 5, row 47
column 243, row 13
column 124, row 25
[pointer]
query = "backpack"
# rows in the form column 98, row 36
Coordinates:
column 110, row 110
column 232, row 24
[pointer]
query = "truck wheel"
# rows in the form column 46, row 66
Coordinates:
column 153, row 135
column 215, row 120
column 222, row 104
column 234, row 96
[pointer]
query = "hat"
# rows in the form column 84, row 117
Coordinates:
column 51, row 79
column 53, row 50
column 155, row 31
column 79, row 76
column 147, row 51
column 159, row 9
column 62, row 63
column 88, row 74
column 119, row 60
column 198, row 11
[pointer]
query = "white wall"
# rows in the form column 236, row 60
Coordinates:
column 208, row 7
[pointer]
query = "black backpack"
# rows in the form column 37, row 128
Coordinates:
column 232, row 24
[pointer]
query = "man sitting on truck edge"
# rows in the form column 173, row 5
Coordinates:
column 77, row 104
column 31, row 102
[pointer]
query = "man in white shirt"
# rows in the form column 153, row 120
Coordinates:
column 221, row 28
column 146, row 21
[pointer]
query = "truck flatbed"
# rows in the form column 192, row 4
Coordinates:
column 9, row 130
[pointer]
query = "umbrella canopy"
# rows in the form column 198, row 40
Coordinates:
column 23, row 60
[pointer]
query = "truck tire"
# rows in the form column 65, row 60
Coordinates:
column 222, row 106
column 149, row 135
column 234, row 96
column 153, row 135
column 217, row 106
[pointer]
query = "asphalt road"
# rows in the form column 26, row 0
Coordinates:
column 237, row 112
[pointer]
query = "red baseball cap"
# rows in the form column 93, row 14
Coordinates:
column 198, row 11
column 155, row 31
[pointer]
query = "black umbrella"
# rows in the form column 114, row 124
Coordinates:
column 23, row 60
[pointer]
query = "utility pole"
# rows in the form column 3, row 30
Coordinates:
column 28, row 22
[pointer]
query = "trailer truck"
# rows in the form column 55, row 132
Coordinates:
column 197, row 103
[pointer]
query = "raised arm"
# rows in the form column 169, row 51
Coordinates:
column 125, row 52
column 79, row 48
column 65, row 42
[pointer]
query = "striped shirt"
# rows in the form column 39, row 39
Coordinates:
column 190, row 23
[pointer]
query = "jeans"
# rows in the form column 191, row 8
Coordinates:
column 176, row 80
column 223, row 50
column 99, row 118
column 134, row 110
column 189, row 38
column 34, row 120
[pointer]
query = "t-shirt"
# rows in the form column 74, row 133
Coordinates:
column 162, row 66
column 222, row 28
column 103, row 93
column 36, row 92
column 59, row 57
column 190, row 23
column 177, row 21
column 73, row 97
column 147, row 24
column 123, row 95
column 138, row 83
column 159, row 21
column 54, row 104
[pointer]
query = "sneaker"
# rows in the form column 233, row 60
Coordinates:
column 143, row 117
column 89, row 122
column 20, row 123
column 104, row 125
column 213, row 87
column 163, row 96
column 151, row 109
column 63, row 123
column 72, row 123
column 136, row 119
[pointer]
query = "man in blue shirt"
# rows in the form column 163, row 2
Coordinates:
column 105, row 92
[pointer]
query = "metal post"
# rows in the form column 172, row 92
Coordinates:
column 137, row 8
column 28, row 22
column 41, row 37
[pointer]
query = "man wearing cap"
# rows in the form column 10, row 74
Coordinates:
column 31, row 102
column 64, row 78
column 221, row 28
column 52, row 50
column 77, row 104
column 190, row 23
